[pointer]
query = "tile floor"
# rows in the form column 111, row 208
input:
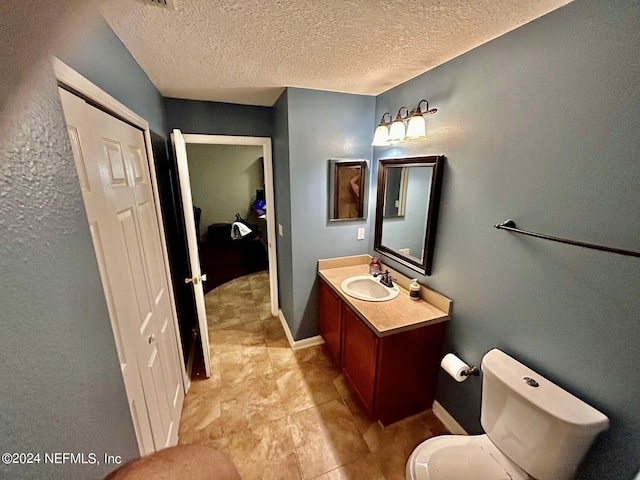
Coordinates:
column 284, row 414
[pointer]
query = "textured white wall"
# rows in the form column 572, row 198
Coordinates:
column 246, row 52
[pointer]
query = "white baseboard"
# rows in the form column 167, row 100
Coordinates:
column 298, row 344
column 447, row 420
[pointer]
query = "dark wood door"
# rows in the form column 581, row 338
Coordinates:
column 329, row 319
column 359, row 356
column 408, row 366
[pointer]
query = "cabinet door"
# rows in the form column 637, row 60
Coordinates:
column 329, row 319
column 408, row 367
column 359, row 356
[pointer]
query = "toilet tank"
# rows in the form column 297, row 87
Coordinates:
column 542, row 428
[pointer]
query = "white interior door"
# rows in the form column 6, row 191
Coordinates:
column 111, row 161
column 192, row 244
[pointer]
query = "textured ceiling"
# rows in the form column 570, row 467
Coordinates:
column 247, row 51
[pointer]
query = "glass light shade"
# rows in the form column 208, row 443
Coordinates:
column 381, row 136
column 416, row 127
column 397, row 131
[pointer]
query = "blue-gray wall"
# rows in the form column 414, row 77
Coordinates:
column 322, row 125
column 61, row 389
column 541, row 126
column 94, row 56
column 207, row 118
column 217, row 118
column 307, row 128
column 282, row 198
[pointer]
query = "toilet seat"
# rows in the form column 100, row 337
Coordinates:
column 459, row 457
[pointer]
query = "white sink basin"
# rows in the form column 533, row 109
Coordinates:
column 365, row 287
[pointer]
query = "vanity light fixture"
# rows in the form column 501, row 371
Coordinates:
column 397, row 131
column 381, row 135
column 417, row 128
column 389, row 132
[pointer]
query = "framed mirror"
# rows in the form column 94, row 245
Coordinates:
column 348, row 189
column 407, row 209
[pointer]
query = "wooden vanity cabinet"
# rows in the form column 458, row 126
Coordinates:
column 394, row 376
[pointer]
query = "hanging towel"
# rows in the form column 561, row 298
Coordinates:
column 239, row 230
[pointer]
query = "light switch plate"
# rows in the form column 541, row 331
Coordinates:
column 361, row 233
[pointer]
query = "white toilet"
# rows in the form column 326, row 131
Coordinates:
column 535, row 430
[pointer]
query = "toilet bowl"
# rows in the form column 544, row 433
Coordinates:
column 534, row 429
column 458, row 457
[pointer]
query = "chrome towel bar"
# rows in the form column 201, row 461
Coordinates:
column 510, row 225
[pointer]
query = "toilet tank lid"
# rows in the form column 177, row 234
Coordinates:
column 547, row 396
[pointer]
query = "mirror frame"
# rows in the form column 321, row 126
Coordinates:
column 435, row 161
column 332, row 192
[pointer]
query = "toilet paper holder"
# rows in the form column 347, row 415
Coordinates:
column 473, row 371
column 457, row 368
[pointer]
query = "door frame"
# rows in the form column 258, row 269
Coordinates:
column 265, row 143
column 67, row 77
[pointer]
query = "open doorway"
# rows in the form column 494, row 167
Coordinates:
column 223, row 232
column 228, row 192
column 194, row 140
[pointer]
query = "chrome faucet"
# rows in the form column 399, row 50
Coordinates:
column 385, row 278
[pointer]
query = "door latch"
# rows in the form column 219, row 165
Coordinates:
column 196, row 280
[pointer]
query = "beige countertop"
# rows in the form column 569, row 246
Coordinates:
column 393, row 316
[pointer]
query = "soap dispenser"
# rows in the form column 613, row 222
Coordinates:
column 414, row 290
column 374, row 266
